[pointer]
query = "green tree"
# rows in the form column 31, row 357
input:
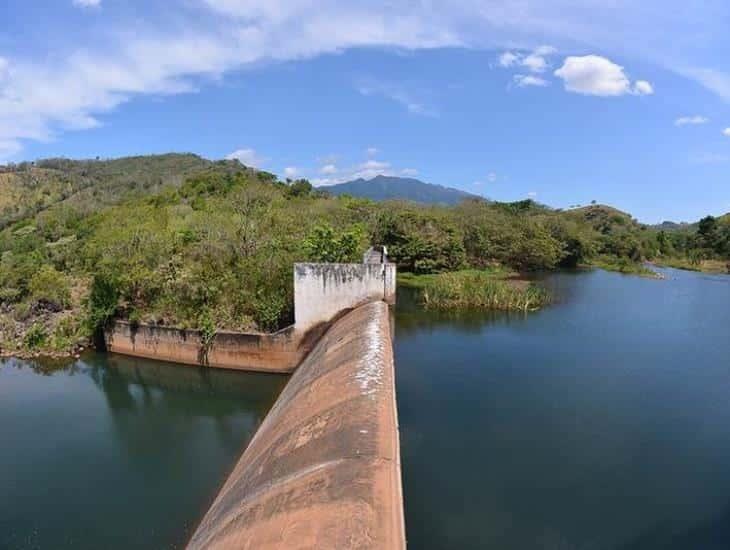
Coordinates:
column 324, row 244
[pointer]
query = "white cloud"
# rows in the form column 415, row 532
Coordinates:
column 247, row 157
column 599, row 76
column 291, row 171
column 716, row 81
column 726, row 132
column 68, row 88
column 687, row 120
column 642, row 87
column 410, row 172
column 371, row 151
column 87, row 3
column 328, row 169
column 95, row 70
column 491, row 177
column 375, row 165
column 365, row 170
column 545, row 51
column 508, row 59
column 534, row 61
column 523, row 80
column 396, row 92
column 532, row 194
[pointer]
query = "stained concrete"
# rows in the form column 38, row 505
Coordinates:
column 321, row 291
column 279, row 352
column 323, row 470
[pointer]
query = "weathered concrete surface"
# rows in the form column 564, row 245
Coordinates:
column 280, row 352
column 321, row 291
column 323, row 470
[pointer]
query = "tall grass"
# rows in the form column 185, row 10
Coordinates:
column 474, row 289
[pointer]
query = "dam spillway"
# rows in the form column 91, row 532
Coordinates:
column 323, row 470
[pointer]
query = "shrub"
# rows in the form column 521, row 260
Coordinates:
column 50, row 286
column 269, row 309
column 65, row 335
column 103, row 301
column 36, row 337
column 323, row 244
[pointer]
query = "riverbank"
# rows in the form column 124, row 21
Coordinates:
column 703, row 266
column 42, row 332
column 622, row 265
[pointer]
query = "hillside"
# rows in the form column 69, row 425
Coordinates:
column 605, row 219
column 29, row 188
column 381, row 188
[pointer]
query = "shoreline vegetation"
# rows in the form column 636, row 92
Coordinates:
column 178, row 240
column 495, row 289
column 703, row 266
column 627, row 267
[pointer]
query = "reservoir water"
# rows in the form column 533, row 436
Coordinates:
column 112, row 452
column 601, row 422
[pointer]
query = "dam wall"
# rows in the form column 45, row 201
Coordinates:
column 279, row 352
column 322, row 292
column 323, row 470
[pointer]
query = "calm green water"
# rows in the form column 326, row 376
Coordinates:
column 110, row 452
column 602, row 422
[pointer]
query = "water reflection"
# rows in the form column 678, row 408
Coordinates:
column 139, row 448
column 413, row 318
column 600, row 422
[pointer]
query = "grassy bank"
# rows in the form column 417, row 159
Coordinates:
column 625, row 266
column 704, row 266
column 472, row 289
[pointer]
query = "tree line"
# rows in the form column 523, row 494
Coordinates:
column 214, row 247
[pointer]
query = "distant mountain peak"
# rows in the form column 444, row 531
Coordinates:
column 381, row 188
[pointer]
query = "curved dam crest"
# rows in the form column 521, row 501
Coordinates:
column 323, row 471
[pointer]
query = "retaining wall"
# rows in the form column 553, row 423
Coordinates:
column 323, row 470
column 278, row 352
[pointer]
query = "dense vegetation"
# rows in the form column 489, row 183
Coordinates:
column 183, row 241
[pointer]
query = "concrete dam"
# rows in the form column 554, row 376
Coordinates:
column 323, row 470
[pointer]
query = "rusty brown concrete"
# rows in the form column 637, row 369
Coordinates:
column 323, row 470
column 279, row 352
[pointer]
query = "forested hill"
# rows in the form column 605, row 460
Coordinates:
column 382, row 188
column 28, row 188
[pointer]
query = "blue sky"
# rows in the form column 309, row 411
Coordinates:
column 563, row 101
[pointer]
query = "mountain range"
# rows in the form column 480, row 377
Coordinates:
column 381, row 188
